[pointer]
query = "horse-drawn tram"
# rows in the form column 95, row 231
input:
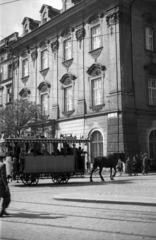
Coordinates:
column 41, row 158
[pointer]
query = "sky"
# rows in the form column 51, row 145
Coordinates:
column 12, row 13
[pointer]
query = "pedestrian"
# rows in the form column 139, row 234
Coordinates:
column 144, row 164
column 22, row 160
column 135, row 166
column 138, row 163
column 4, row 189
column 129, row 166
column 120, row 167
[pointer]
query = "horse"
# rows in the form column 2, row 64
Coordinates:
column 108, row 162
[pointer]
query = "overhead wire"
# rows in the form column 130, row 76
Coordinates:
column 10, row 2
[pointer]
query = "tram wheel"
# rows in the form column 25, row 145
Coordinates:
column 30, row 179
column 56, row 178
column 34, row 179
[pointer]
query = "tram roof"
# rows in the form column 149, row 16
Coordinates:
column 46, row 140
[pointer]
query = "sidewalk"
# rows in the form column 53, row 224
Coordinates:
column 136, row 190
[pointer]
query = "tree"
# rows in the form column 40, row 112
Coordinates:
column 18, row 116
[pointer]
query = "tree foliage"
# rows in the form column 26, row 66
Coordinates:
column 18, row 117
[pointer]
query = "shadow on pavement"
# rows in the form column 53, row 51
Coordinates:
column 82, row 183
column 35, row 216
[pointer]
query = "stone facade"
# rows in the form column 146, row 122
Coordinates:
column 122, row 118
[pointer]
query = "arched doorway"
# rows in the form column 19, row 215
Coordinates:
column 96, row 145
column 152, row 144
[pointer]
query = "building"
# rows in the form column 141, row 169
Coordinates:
column 6, row 70
column 92, row 67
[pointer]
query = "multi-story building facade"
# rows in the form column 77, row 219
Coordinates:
column 92, row 67
column 6, row 71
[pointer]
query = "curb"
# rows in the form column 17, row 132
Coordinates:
column 123, row 201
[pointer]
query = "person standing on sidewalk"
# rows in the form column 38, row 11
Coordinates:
column 129, row 166
column 145, row 164
column 135, row 166
column 4, row 189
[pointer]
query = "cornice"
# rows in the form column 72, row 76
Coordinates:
column 60, row 21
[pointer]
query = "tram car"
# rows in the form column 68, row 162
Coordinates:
column 41, row 158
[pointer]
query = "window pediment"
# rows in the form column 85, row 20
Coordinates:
column 24, row 54
column 151, row 69
column 43, row 45
column 24, row 92
column 149, row 18
column 43, row 87
column 96, row 70
column 67, row 79
column 95, row 18
column 67, row 32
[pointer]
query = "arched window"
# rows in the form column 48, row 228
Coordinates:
column 96, row 145
column 152, row 144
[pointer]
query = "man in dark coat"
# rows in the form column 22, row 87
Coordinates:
column 4, row 189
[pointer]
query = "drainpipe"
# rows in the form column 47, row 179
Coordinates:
column 132, row 55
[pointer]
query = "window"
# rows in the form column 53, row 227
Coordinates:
column 67, row 4
column 9, row 94
column 152, row 144
column 152, row 91
column 25, row 68
column 10, row 71
column 44, row 18
column 68, row 99
column 96, row 145
column 1, row 96
column 5, row 56
column 149, row 38
column 44, row 59
column 44, row 103
column 95, row 37
column 97, row 92
column 26, row 29
column 67, row 49
column 4, row 72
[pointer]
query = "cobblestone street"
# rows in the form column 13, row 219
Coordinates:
column 35, row 214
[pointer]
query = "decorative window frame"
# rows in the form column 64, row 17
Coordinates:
column 96, row 71
column 4, row 69
column 10, row 70
column 153, row 45
column 67, row 34
column 44, row 88
column 1, row 96
column 24, row 56
column 68, row 80
column 150, row 73
column 150, row 21
column 44, row 46
column 93, row 21
column 9, row 86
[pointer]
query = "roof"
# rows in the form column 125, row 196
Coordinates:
column 50, row 7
